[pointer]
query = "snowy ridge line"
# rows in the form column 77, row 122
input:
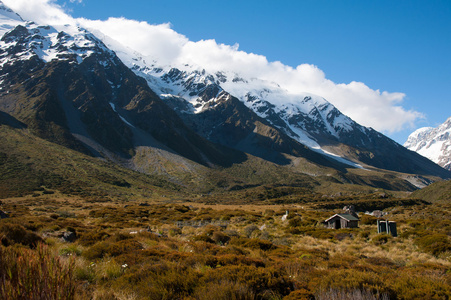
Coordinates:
column 433, row 143
column 65, row 42
column 186, row 82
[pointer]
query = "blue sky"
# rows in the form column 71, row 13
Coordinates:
column 394, row 46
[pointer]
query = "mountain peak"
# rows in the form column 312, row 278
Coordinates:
column 8, row 19
column 8, row 13
column 433, row 143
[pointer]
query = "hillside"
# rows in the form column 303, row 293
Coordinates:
column 30, row 165
column 61, row 85
column 437, row 192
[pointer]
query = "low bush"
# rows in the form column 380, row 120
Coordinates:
column 257, row 280
column 203, row 238
column 248, row 230
column 434, row 243
column 16, row 234
column 91, row 237
column 295, row 221
column 28, row 274
column 253, row 243
column 220, row 237
column 381, row 239
column 224, row 290
column 350, row 294
column 368, row 220
column 103, row 249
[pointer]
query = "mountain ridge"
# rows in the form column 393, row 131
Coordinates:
column 316, row 123
column 68, row 87
column 433, row 143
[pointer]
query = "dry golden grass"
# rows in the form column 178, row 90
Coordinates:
column 116, row 256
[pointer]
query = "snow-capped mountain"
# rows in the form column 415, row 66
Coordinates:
column 66, row 86
column 433, row 143
column 307, row 119
column 23, row 40
column 84, row 91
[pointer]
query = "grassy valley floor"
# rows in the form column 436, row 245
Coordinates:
column 83, row 249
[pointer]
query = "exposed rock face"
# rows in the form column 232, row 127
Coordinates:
column 65, row 85
column 208, row 103
column 433, row 143
column 72, row 90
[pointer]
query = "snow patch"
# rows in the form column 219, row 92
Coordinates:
column 432, row 143
column 122, row 118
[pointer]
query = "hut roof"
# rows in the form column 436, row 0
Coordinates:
column 344, row 216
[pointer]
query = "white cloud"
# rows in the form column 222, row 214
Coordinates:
column 158, row 41
column 381, row 110
column 40, row 11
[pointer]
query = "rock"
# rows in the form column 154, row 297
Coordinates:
column 3, row 215
column 69, row 236
column 350, row 209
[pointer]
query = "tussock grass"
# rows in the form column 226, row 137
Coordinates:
column 198, row 251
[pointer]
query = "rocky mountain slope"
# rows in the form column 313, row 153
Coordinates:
column 69, row 88
column 64, row 85
column 197, row 95
column 433, row 143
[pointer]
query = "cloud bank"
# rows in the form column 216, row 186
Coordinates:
column 381, row 110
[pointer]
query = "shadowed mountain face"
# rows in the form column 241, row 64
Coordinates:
column 226, row 111
column 64, row 85
column 229, row 122
column 93, row 98
column 77, row 93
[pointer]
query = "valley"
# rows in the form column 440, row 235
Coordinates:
column 126, row 178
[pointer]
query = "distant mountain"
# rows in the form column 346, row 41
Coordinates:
column 308, row 119
column 220, row 130
column 69, row 88
column 433, row 143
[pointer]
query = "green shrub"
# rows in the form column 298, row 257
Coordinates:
column 351, row 284
column 319, row 233
column 257, row 280
column 70, row 250
column 159, row 281
column 365, row 234
column 352, row 294
column 301, row 294
column 203, row 238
